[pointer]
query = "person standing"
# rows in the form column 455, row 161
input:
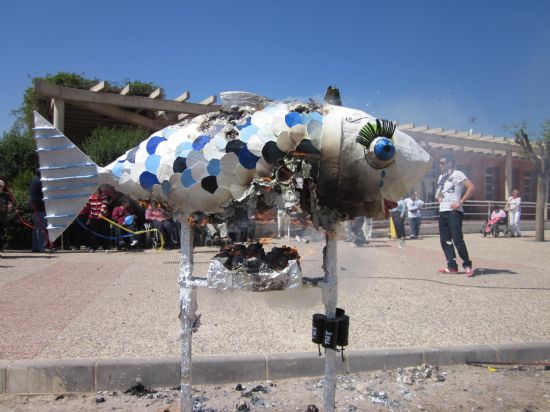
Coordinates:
column 98, row 205
column 454, row 188
column 413, row 206
column 40, row 240
column 357, row 234
column 367, row 228
column 6, row 203
column 514, row 208
column 398, row 217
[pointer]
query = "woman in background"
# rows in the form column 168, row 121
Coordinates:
column 514, row 207
column 162, row 221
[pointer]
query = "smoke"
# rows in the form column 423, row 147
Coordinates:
column 293, row 298
column 435, row 112
column 317, row 97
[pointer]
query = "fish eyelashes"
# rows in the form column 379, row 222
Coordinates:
column 370, row 131
column 377, row 141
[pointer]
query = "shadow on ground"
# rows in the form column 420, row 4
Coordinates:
column 487, row 271
column 29, row 256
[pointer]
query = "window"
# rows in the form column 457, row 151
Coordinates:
column 489, row 181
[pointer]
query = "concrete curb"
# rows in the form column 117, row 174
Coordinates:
column 90, row 375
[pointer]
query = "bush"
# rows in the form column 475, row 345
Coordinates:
column 106, row 144
column 17, row 235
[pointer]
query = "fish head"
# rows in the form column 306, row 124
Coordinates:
column 364, row 161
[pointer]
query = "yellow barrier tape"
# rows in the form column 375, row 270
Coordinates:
column 136, row 232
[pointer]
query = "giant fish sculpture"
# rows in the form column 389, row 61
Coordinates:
column 339, row 162
column 333, row 157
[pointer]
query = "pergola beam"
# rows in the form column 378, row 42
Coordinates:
column 181, row 98
column 122, row 115
column 44, row 88
column 464, row 142
column 405, row 126
column 209, row 101
column 156, row 94
column 102, row 85
column 419, row 128
column 126, row 90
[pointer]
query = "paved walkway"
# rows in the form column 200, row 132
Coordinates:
column 80, row 305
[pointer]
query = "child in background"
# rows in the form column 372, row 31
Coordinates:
column 124, row 216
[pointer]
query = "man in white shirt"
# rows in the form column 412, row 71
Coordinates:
column 413, row 206
column 454, row 188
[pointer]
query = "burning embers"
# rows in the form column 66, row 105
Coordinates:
column 250, row 268
column 252, row 258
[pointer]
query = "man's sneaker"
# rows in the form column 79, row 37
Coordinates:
column 448, row 271
column 134, row 242
column 469, row 271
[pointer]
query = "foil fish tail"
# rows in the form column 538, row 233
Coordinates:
column 68, row 176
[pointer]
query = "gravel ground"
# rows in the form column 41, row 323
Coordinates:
column 424, row 388
column 394, row 297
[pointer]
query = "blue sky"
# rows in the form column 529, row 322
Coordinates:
column 452, row 64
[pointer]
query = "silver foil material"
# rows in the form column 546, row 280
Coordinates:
column 243, row 99
column 188, row 314
column 330, row 300
column 219, row 277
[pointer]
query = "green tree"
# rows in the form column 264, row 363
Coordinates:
column 17, row 153
column 537, row 149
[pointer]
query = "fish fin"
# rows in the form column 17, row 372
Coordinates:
column 68, row 176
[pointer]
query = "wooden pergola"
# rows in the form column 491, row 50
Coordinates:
column 438, row 138
column 76, row 112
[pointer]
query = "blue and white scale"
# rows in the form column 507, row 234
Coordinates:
column 201, row 169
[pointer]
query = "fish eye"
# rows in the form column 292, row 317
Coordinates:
column 377, row 141
column 383, row 148
column 381, row 153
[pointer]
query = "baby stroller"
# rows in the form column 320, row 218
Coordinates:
column 496, row 224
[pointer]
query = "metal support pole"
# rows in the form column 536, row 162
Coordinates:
column 188, row 316
column 330, row 297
